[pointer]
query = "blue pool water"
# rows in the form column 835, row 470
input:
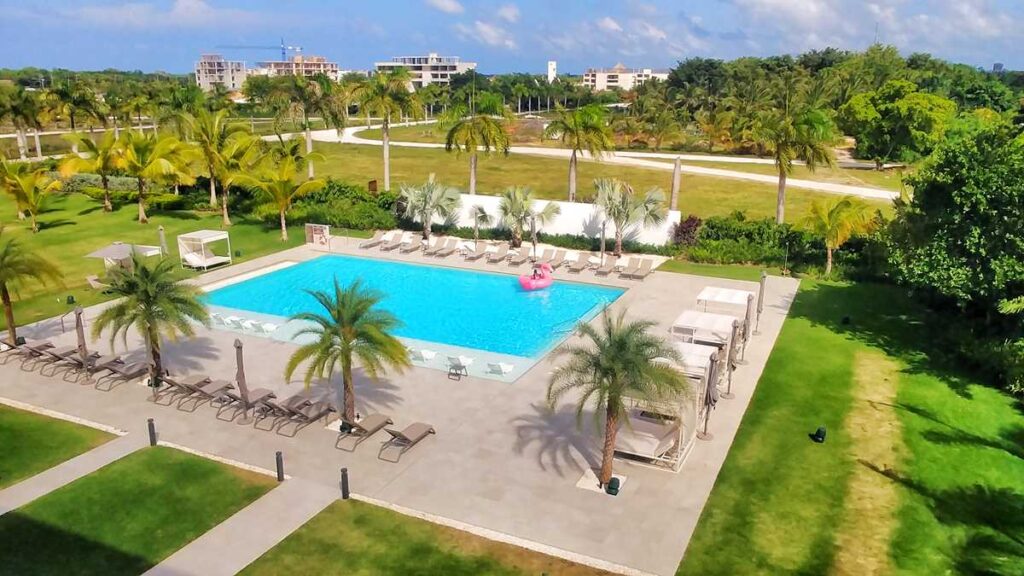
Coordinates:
column 485, row 311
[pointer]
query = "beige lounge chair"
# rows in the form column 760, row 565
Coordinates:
column 378, row 238
column 356, row 432
column 412, row 246
column 642, row 271
column 608, row 267
column 581, row 263
column 439, row 244
column 558, row 259
column 396, row 242
column 449, row 249
column 479, row 250
column 521, row 257
column 545, row 257
column 500, row 254
column 631, row 267
column 403, row 441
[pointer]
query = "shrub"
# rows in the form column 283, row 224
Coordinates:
column 685, row 233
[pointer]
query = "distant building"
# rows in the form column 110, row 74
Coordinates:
column 998, row 68
column 429, row 69
column 552, row 71
column 213, row 70
column 619, row 76
column 299, row 65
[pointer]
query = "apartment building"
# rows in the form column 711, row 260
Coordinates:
column 299, row 65
column 619, row 76
column 429, row 69
column 213, row 69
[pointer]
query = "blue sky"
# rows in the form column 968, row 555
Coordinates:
column 502, row 35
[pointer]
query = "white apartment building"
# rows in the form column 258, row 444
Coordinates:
column 213, row 70
column 300, row 65
column 619, row 76
column 429, row 69
column 552, row 71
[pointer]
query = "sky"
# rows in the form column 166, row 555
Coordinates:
column 501, row 35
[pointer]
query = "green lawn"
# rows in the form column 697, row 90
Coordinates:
column 125, row 517
column 958, row 482
column 33, row 443
column 357, row 539
column 730, row 271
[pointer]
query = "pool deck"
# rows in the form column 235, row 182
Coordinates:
column 500, row 461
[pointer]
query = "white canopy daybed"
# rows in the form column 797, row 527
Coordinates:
column 195, row 251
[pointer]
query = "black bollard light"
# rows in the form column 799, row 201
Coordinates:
column 280, row 466
column 344, row 484
column 152, row 431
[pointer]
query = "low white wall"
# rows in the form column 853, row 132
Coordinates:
column 575, row 218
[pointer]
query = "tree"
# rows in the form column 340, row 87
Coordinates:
column 73, row 100
column 149, row 159
column 18, row 265
column 620, row 360
column 210, row 131
column 9, row 171
column 625, row 208
column 715, row 125
column 155, row 304
column 473, row 133
column 835, row 221
column 430, row 200
column 101, row 158
column 22, row 108
column 662, row 126
column 386, row 94
column 280, row 188
column 480, row 218
column 30, row 189
column 805, row 135
column 242, row 154
column 519, row 212
column 582, row 129
column 351, row 327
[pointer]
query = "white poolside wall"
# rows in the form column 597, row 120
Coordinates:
column 576, row 218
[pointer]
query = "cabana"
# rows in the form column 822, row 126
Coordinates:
column 704, row 328
column 119, row 255
column 194, row 249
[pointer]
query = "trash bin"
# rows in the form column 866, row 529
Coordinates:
column 613, row 487
column 372, row 186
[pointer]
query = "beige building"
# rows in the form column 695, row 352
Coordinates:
column 214, row 69
column 619, row 76
column 429, row 69
column 300, row 65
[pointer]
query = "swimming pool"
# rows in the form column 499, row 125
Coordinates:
column 479, row 310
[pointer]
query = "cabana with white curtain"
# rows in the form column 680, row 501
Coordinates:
column 195, row 252
column 119, row 255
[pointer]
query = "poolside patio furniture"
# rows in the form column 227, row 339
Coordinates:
column 546, row 257
column 458, row 366
column 558, row 259
column 395, row 243
column 630, row 267
column 95, row 284
column 608, row 267
column 195, row 252
column 433, row 249
column 479, row 250
column 203, row 390
column 378, row 238
column 243, row 399
column 499, row 254
column 403, row 441
column 703, row 328
column 304, row 415
column 30, row 349
column 358, row 431
column 259, row 327
column 499, row 368
column 519, row 258
column 449, row 249
column 422, row 355
column 54, row 356
column 581, row 263
column 279, row 410
column 119, row 254
column 119, row 370
column 644, row 270
column 413, row 245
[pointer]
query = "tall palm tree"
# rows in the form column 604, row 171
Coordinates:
column 74, row 100
column 242, row 154
column 350, row 328
column 835, row 221
column 9, row 171
column 155, row 304
column 429, row 200
column 149, row 159
column 807, row 135
column 19, row 265
column 582, row 129
column 30, row 189
column 101, row 158
column 210, row 131
column 663, row 125
column 715, row 125
column 280, row 187
column 519, row 213
column 619, row 361
column 480, row 131
column 23, row 111
column 625, row 208
column 387, row 94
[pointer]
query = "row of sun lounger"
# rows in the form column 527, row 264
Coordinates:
column 46, row 356
column 458, row 365
column 637, row 268
column 243, row 324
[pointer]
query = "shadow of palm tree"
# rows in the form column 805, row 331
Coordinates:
column 189, row 355
column 1009, row 440
column 556, row 437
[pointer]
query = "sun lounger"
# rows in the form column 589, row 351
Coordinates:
column 642, row 271
column 499, row 368
column 29, row 349
column 118, row 370
column 378, row 238
column 581, row 263
column 279, row 410
column 403, row 441
column 459, row 365
column 479, row 250
column 499, row 254
column 412, row 246
column 302, row 415
column 609, row 266
column 558, row 259
column 395, row 242
column 520, row 257
column 631, row 267
column 449, row 249
column 438, row 245
column 356, row 432
column 259, row 327
column 201, row 390
column 423, row 355
column 67, row 355
column 545, row 257
column 241, row 399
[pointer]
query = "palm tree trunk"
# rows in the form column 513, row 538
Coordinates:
column 520, row 105
column 828, row 261
column 156, row 360
column 22, row 143
column 611, row 426
column 618, row 241
column 12, row 331
column 35, row 225
column 476, row 230
column 350, row 393
column 572, row 177
column 74, row 145
column 780, row 202
column 107, row 205
column 213, row 190
column 225, row 220
column 142, row 202
column 117, row 128
column 472, row 173
column 39, row 147
column 284, row 228
column 386, row 137
column 309, row 150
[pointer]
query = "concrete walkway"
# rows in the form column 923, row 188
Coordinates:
column 65, row 473
column 238, row 541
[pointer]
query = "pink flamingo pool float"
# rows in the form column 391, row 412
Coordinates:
column 537, row 281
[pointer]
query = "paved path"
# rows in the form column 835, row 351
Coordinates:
column 238, row 541
column 43, row 483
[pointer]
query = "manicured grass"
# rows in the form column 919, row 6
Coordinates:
column 358, row 539
column 779, row 501
column 730, row 271
column 32, row 443
column 125, row 517
column 548, row 177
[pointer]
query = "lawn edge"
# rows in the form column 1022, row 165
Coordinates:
column 222, row 460
column 62, row 416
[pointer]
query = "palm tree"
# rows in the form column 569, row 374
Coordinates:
column 242, row 154
column 157, row 306
column 386, row 94
column 480, row 218
column 73, row 100
column 807, row 135
column 626, row 208
column 30, row 189
column 101, row 158
column 715, row 125
column 23, row 109
column 518, row 211
column 582, row 129
column 473, row 133
column 17, row 266
column 621, row 360
column 210, row 131
column 518, row 91
column 280, row 188
column 662, row 126
column 9, row 171
column 430, row 200
column 835, row 221
column 351, row 328
column 149, row 158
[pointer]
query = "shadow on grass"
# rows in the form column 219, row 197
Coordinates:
column 178, row 215
column 92, row 209
column 58, row 223
column 1010, row 439
column 28, row 546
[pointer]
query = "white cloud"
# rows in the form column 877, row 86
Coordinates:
column 608, row 24
column 182, row 13
column 509, row 13
column 449, row 6
column 649, row 31
column 489, row 34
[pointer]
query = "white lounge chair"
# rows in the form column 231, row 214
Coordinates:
column 422, row 355
column 259, row 327
column 236, row 322
column 499, row 368
column 459, row 365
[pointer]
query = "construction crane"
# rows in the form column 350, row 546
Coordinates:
column 283, row 48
